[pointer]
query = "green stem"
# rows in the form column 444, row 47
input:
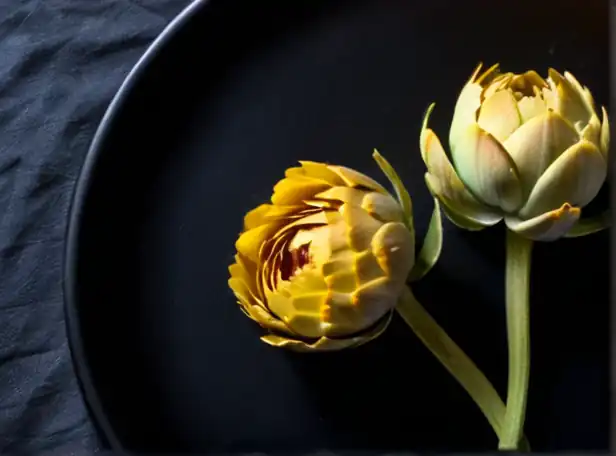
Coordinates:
column 454, row 360
column 518, row 334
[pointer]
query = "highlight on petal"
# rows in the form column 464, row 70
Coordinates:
column 548, row 226
column 575, row 177
column 445, row 183
column 294, row 190
column 324, row 344
column 536, row 144
column 583, row 92
column 499, row 115
column 316, row 170
column 465, row 111
column 354, row 178
column 486, row 169
column 394, row 249
column 470, row 217
column 570, row 102
column 605, row 134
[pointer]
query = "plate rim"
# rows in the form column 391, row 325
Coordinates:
column 81, row 189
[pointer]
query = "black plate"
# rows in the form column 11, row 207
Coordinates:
column 233, row 93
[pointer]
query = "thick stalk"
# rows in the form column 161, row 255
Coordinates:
column 454, row 360
column 518, row 334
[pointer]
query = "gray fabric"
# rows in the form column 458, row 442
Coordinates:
column 61, row 61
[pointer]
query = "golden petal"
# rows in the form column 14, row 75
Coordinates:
column 321, row 171
column 382, row 207
column 394, row 249
column 349, row 195
column 329, row 344
column 354, row 178
column 257, row 216
column 294, row 190
column 366, row 267
column 249, row 242
column 361, row 227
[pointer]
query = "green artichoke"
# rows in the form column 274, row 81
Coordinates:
column 528, row 150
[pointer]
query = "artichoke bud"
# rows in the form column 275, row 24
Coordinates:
column 323, row 265
column 529, row 150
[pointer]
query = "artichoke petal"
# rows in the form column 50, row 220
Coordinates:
column 499, row 115
column 487, row 169
column 592, row 131
column 548, row 226
column 329, row 344
column 445, row 183
column 584, row 93
column 293, row 190
column 462, row 215
column 569, row 99
column 532, row 106
column 299, row 303
column 465, row 111
column 349, row 195
column 354, row 178
column 605, row 134
column 383, row 207
column 537, row 143
column 576, row 177
column 315, row 170
column 394, row 249
column 361, row 227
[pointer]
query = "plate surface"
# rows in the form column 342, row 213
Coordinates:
column 233, row 93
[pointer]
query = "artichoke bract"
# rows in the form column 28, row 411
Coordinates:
column 528, row 150
column 323, row 265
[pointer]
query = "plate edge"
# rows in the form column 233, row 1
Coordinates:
column 73, row 227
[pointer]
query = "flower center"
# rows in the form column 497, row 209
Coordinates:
column 293, row 260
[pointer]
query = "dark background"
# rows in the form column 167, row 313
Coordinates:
column 62, row 61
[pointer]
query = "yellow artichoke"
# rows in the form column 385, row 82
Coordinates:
column 322, row 266
column 528, row 150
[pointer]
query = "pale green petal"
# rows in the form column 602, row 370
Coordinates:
column 548, row 226
column 487, row 169
column 592, row 131
column 465, row 112
column 462, row 216
column 605, row 133
column 536, row 144
column 499, row 115
column 530, row 107
column 575, row 177
column 445, row 183
column 584, row 93
column 569, row 100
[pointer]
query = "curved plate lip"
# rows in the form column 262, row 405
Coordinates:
column 81, row 188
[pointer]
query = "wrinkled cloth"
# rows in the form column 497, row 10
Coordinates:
column 61, row 62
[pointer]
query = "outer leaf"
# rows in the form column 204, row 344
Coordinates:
column 590, row 225
column 432, row 246
column 401, row 192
